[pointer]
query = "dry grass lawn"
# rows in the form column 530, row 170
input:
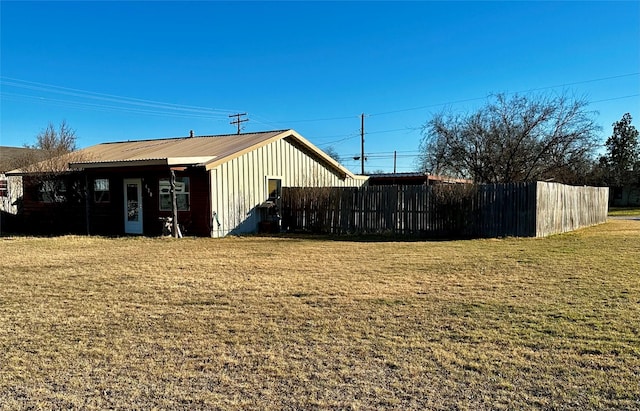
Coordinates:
column 311, row 323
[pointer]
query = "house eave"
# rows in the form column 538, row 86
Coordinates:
column 169, row 162
column 21, row 173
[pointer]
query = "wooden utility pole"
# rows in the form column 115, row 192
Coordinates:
column 238, row 121
column 362, row 144
column 395, row 154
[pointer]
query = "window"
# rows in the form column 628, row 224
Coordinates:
column 182, row 194
column 274, row 187
column 4, row 188
column 52, row 191
column 101, row 192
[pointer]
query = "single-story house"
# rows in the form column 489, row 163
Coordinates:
column 626, row 196
column 225, row 184
column 11, row 186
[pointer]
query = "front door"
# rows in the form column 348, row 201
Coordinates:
column 133, row 206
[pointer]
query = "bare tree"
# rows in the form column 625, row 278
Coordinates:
column 48, row 163
column 55, row 148
column 333, row 153
column 512, row 139
column 60, row 141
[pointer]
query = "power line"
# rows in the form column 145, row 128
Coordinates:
column 514, row 92
column 466, row 101
column 317, row 119
column 369, row 156
column 49, row 88
column 350, row 137
column 103, row 107
column 581, row 82
column 616, row 98
column 188, row 111
column 393, row 130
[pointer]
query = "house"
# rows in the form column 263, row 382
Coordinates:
column 225, row 184
column 11, row 186
column 626, row 196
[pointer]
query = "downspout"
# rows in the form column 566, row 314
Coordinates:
column 87, row 205
column 174, row 207
column 210, row 212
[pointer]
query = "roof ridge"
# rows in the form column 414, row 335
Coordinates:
column 189, row 137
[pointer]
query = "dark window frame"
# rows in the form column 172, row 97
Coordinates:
column 4, row 187
column 183, row 194
column 101, row 193
column 52, row 191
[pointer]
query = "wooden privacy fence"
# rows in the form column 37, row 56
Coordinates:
column 561, row 208
column 446, row 211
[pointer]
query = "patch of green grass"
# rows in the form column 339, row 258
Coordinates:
column 278, row 323
column 624, row 211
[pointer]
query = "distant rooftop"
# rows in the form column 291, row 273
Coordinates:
column 415, row 178
column 11, row 156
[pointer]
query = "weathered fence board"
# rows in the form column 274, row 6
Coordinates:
column 561, row 208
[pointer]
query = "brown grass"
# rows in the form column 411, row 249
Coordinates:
column 312, row 323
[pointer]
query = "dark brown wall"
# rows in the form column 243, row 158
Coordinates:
column 53, row 218
column 108, row 218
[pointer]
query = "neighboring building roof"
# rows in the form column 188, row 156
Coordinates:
column 413, row 179
column 10, row 157
column 205, row 151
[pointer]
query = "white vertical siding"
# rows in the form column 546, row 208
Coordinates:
column 215, row 205
column 239, row 185
column 14, row 191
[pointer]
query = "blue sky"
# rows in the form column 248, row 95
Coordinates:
column 141, row 70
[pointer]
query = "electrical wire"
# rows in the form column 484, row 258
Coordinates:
column 152, row 107
column 105, row 108
column 111, row 98
column 615, row 98
column 32, row 85
column 515, row 92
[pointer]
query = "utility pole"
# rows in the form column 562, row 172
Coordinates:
column 362, row 144
column 238, row 121
column 395, row 154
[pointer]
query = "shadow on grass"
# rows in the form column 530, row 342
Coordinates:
column 6, row 235
column 363, row 238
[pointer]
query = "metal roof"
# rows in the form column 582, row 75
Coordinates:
column 207, row 151
column 11, row 157
column 195, row 150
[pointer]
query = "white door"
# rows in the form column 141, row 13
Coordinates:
column 133, row 206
